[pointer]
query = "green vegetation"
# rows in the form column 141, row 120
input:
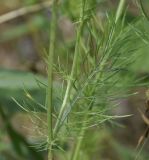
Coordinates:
column 89, row 73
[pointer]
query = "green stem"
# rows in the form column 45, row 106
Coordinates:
column 80, row 138
column 75, row 154
column 73, row 72
column 50, row 78
column 77, row 148
column 119, row 10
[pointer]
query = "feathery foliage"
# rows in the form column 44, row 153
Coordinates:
column 100, row 76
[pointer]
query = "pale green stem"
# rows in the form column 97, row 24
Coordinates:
column 73, row 72
column 77, row 148
column 119, row 10
column 76, row 152
column 50, row 79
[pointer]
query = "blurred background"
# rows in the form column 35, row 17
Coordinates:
column 24, row 32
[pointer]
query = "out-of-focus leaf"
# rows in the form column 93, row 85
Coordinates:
column 17, row 79
column 20, row 84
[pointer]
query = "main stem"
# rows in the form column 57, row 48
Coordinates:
column 77, row 148
column 79, row 142
column 73, row 72
column 50, row 78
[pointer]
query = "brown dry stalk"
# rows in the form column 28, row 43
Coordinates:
column 23, row 11
column 146, row 121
